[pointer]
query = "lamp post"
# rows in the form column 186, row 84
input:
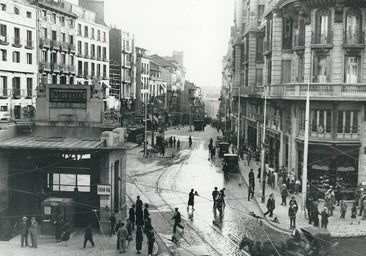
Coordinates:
column 144, row 92
column 263, row 153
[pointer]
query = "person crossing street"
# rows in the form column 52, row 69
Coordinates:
column 177, row 221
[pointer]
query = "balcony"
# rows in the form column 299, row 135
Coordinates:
column 55, row 45
column 354, row 39
column 16, row 93
column 44, row 66
column 317, row 91
column 29, row 44
column 5, row 93
column 64, row 47
column 16, row 42
column 4, row 40
column 72, row 48
column 322, row 40
column 45, row 43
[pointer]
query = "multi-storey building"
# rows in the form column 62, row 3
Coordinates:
column 122, row 68
column 93, row 52
column 18, row 68
column 158, row 85
column 295, row 43
column 57, row 38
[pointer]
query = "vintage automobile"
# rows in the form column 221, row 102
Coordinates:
column 223, row 148
column 199, row 125
column 230, row 163
column 219, row 139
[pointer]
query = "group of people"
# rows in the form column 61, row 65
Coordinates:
column 29, row 227
column 174, row 142
column 218, row 198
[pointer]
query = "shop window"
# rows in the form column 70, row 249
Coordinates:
column 287, row 33
column 352, row 69
column 353, row 29
column 321, row 121
column 323, row 27
column 321, row 64
column 348, row 121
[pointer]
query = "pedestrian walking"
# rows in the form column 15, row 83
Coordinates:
column 358, row 194
column 146, row 213
column 297, row 186
column 119, row 224
column 353, row 212
column 174, row 141
column 343, row 209
column 148, row 225
column 170, row 141
column 122, row 234
column 293, row 208
column 162, row 149
column 364, row 209
column 251, row 178
column 139, row 212
column 177, row 221
column 270, row 205
column 129, row 232
column 190, row 141
column 33, row 231
column 259, row 174
column 112, row 224
column 24, row 231
column 211, row 141
column 363, row 198
column 139, row 239
column 88, row 236
column 325, row 216
column 150, row 242
column 250, row 191
column 67, row 231
column 222, row 197
column 249, row 157
column 131, row 216
column 191, row 199
column 215, row 194
column 330, row 200
column 213, row 152
column 293, row 201
column 284, row 194
column 58, row 228
column 315, row 213
column 178, row 144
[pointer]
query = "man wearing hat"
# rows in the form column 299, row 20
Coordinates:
column 215, row 194
column 24, row 231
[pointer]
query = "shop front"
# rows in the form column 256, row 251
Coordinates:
column 331, row 165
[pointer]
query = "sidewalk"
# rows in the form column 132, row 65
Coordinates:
column 104, row 245
column 336, row 226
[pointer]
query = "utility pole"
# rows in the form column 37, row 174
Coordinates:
column 263, row 151
column 238, row 139
column 145, row 144
column 306, row 147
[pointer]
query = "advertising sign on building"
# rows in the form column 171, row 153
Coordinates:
column 104, row 190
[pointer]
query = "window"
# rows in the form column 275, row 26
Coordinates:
column 259, row 77
column 353, row 27
column 260, row 12
column 69, row 182
column 322, row 27
column 93, row 50
column 93, row 69
column 104, row 71
column 29, row 42
column 98, row 69
column 53, row 17
column 44, row 33
column 321, row 68
column 104, row 53
column 62, row 20
column 63, row 37
column 348, row 121
column 3, row 7
column 286, row 71
column 99, row 52
column 16, row 87
column 79, row 30
column 4, row 55
column 3, row 31
column 86, row 31
column 79, row 48
column 3, row 85
column 29, row 87
column 71, row 23
column 71, row 39
column 54, row 35
column 29, row 58
column 29, row 15
column 16, row 57
column 287, row 33
column 352, row 69
column 98, row 35
column 16, row 36
column 92, row 33
column 259, row 52
column 321, row 121
column 86, row 68
column 300, row 68
column 104, row 37
column 86, row 49
column 16, row 10
column 269, row 69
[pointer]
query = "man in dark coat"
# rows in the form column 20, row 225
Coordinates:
column 177, row 220
column 139, row 212
column 191, row 199
column 112, row 222
column 88, row 236
column 146, row 214
column 174, row 141
column 251, row 178
column 24, row 232
column 270, row 205
column 150, row 241
column 139, row 239
column 131, row 216
column 215, row 194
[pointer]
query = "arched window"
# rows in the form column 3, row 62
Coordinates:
column 323, row 27
column 353, row 28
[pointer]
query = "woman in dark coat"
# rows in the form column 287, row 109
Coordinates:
column 139, row 239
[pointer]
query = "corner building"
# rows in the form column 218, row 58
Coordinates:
column 277, row 49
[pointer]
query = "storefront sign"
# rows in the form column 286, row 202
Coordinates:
column 104, row 190
column 68, row 95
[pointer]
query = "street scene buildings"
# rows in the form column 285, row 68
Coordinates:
column 105, row 141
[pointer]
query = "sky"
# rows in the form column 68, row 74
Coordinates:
column 200, row 28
